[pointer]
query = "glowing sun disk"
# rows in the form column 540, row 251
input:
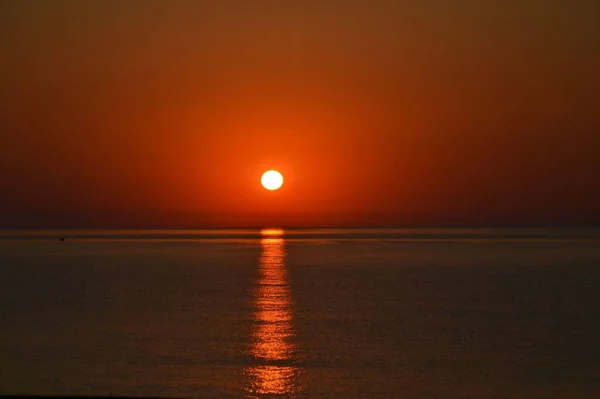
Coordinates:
column 271, row 180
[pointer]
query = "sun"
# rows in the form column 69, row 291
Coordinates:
column 271, row 180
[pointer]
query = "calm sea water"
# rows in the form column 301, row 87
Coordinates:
column 301, row 313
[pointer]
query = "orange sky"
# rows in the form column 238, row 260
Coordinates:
column 165, row 114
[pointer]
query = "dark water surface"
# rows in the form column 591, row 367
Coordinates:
column 310, row 313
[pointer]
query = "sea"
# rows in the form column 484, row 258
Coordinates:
column 307, row 313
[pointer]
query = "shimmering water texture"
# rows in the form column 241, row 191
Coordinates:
column 273, row 369
column 328, row 313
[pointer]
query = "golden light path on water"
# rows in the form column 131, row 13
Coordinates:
column 272, row 370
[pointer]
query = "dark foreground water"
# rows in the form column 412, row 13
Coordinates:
column 312, row 313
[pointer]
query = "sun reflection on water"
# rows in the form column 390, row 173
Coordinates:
column 272, row 370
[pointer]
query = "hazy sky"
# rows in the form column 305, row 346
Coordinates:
column 165, row 113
